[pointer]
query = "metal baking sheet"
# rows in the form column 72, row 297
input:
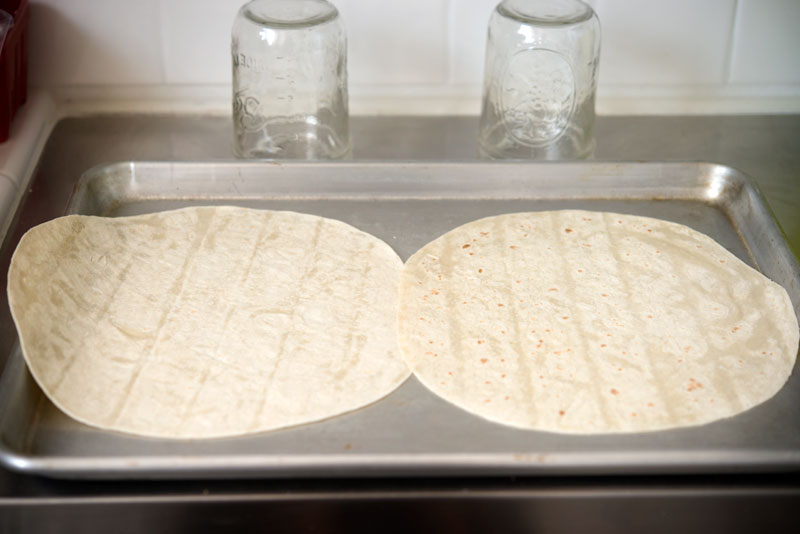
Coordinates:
column 412, row 432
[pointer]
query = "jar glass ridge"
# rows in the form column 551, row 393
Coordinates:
column 540, row 79
column 290, row 80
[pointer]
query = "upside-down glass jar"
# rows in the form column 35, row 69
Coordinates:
column 290, row 81
column 540, row 79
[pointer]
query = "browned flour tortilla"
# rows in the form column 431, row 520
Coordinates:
column 584, row 322
column 205, row 322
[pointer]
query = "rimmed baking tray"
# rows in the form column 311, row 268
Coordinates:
column 412, row 432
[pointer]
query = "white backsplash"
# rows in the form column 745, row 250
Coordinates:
column 424, row 56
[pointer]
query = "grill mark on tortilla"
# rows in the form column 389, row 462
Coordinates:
column 523, row 365
column 228, row 314
column 729, row 393
column 354, row 322
column 193, row 400
column 568, row 381
column 454, row 330
column 257, row 246
column 78, row 222
column 540, row 356
column 65, row 245
column 204, row 228
column 554, row 219
column 309, row 266
column 618, row 361
column 655, row 381
column 103, row 313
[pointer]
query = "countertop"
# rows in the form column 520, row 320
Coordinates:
column 765, row 147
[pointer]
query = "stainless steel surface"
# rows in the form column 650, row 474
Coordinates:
column 412, row 432
column 764, row 147
column 469, row 508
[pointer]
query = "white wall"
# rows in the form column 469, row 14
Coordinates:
column 423, row 56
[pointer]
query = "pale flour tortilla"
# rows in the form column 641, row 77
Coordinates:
column 583, row 322
column 206, row 322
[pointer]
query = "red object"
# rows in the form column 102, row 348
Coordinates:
column 13, row 65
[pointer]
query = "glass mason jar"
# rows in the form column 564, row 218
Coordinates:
column 540, row 79
column 290, row 80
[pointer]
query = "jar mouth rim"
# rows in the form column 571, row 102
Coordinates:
column 290, row 13
column 546, row 12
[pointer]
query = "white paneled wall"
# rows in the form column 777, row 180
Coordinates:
column 396, row 43
column 766, row 42
column 423, row 56
column 677, row 42
column 86, row 42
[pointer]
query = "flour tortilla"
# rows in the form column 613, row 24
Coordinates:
column 584, row 322
column 206, row 322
